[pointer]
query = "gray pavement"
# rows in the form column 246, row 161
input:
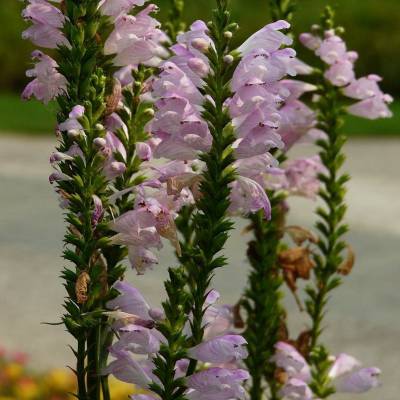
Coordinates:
column 364, row 317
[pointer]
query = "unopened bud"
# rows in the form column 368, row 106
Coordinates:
column 340, row 30
column 233, row 27
column 228, row 34
column 99, row 127
column 200, row 44
column 75, row 133
column 99, row 142
column 149, row 111
column 228, row 59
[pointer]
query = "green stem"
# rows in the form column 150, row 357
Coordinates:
column 262, row 300
column 210, row 224
column 80, row 369
column 93, row 366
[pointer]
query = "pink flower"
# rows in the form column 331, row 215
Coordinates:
column 248, row 196
column 299, row 177
column 220, row 349
column 98, row 210
column 182, row 131
column 114, row 8
column 341, row 73
column 47, row 22
column 72, row 122
column 294, row 364
column 130, row 300
column 173, row 82
column 217, row 384
column 144, row 151
column 332, row 50
column 136, row 40
column 373, row 102
column 364, row 88
column 296, row 389
column 126, row 369
column 137, row 340
column 297, row 120
column 372, row 107
column 268, row 38
column 263, row 67
column 112, row 167
column 48, row 83
column 349, row 377
column 218, row 320
column 310, row 41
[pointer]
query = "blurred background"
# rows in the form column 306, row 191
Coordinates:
column 363, row 318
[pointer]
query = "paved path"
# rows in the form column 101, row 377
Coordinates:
column 364, row 316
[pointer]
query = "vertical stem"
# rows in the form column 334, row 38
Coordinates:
column 262, row 299
column 210, row 225
column 80, row 367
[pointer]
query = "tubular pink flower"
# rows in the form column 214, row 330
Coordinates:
column 217, row 384
column 48, row 83
column 220, row 349
column 114, row 8
column 296, row 389
column 294, row 364
column 47, row 22
column 268, row 38
column 136, row 40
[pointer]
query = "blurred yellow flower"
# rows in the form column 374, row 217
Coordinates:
column 13, row 371
column 27, row 389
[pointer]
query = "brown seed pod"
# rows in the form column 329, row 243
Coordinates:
column 112, row 100
column 238, row 321
column 299, row 234
column 347, row 265
column 81, row 287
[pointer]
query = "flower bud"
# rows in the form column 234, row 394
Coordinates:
column 228, row 59
column 200, row 44
column 228, row 34
column 75, row 133
column 149, row 111
column 99, row 142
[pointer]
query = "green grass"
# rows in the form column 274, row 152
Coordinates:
column 34, row 118
column 29, row 117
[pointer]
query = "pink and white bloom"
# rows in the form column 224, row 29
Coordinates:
column 296, row 389
column 220, row 350
column 217, row 384
column 48, row 83
column 114, row 8
column 137, row 40
column 47, row 22
column 348, row 376
column 373, row 103
column 294, row 364
column 298, row 177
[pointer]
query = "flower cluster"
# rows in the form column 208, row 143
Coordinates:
column 332, row 50
column 346, row 374
column 297, row 177
column 180, row 134
column 139, row 341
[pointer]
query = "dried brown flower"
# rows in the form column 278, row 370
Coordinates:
column 81, row 287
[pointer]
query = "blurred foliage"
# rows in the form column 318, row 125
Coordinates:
column 18, row 382
column 372, row 30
